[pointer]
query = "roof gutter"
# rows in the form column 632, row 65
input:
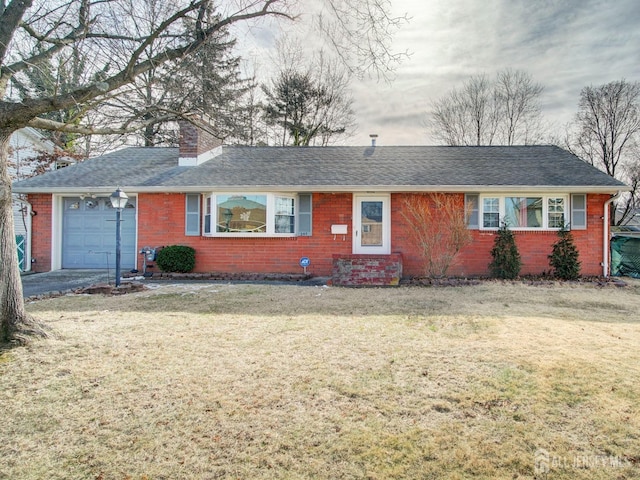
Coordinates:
column 328, row 189
column 606, row 235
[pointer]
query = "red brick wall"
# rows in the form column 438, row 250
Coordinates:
column 534, row 247
column 194, row 141
column 281, row 255
column 41, row 231
column 161, row 222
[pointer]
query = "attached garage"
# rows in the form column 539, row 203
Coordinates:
column 89, row 233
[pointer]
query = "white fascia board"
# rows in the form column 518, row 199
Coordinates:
column 401, row 189
column 331, row 188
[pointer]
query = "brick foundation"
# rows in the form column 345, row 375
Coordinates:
column 369, row 270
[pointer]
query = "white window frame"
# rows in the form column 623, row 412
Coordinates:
column 211, row 201
column 545, row 210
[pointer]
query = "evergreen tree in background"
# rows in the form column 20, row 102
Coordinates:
column 309, row 103
column 208, row 81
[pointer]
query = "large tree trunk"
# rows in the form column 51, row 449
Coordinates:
column 15, row 324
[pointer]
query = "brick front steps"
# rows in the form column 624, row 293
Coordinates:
column 367, row 270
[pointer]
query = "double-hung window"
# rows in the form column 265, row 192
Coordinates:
column 523, row 212
column 490, row 212
column 250, row 214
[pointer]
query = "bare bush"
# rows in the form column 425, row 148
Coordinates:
column 438, row 228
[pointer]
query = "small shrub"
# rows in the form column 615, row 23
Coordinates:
column 564, row 257
column 176, row 258
column 506, row 261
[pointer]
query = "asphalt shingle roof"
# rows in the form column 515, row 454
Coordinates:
column 134, row 166
column 139, row 169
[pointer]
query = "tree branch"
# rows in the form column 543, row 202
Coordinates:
column 9, row 21
column 127, row 127
column 23, row 112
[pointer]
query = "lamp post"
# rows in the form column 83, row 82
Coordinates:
column 228, row 215
column 119, row 201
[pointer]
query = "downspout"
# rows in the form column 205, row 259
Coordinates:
column 606, row 239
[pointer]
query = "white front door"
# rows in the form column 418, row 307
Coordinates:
column 372, row 224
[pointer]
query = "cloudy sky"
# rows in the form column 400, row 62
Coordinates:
column 564, row 45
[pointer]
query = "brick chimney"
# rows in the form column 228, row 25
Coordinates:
column 197, row 143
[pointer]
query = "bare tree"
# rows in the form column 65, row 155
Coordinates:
column 629, row 207
column 606, row 133
column 484, row 112
column 32, row 32
column 449, row 119
column 59, row 75
column 466, row 116
column 518, row 109
column 608, row 122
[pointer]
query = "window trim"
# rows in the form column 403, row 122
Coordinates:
column 211, row 210
column 545, row 210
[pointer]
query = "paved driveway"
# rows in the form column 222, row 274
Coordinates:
column 63, row 280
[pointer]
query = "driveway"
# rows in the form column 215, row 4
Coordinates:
column 63, row 280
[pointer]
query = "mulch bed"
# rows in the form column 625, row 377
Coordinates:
column 135, row 286
column 527, row 280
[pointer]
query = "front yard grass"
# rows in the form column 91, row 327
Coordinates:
column 203, row 381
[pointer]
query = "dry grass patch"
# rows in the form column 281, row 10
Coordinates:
column 256, row 381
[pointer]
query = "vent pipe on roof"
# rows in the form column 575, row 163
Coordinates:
column 373, row 137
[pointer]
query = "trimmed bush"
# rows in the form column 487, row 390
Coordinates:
column 506, row 261
column 564, row 257
column 176, row 258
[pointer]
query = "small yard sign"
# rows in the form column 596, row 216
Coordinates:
column 304, row 263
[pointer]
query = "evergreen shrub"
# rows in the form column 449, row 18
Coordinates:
column 176, row 258
column 506, row 261
column 564, row 257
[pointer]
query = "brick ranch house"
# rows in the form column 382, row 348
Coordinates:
column 261, row 209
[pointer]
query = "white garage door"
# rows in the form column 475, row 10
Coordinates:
column 89, row 234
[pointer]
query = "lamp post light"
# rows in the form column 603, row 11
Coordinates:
column 119, row 201
column 228, row 214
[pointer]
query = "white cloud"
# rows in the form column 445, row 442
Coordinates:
column 564, row 45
